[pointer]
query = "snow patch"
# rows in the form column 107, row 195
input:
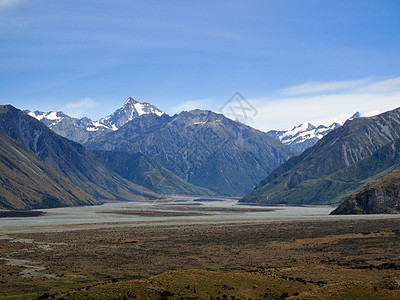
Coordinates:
column 92, row 129
column 52, row 116
column 99, row 124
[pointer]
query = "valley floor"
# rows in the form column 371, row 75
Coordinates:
column 304, row 258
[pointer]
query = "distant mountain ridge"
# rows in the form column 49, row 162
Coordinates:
column 202, row 147
column 84, row 129
column 336, row 166
column 306, row 134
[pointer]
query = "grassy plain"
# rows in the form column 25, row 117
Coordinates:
column 331, row 259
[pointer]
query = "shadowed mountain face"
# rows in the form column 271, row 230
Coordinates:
column 68, row 158
column 26, row 182
column 378, row 197
column 204, row 148
column 144, row 171
column 332, row 169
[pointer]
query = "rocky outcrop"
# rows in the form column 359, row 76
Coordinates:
column 378, row 197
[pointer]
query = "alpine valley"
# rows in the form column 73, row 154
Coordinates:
column 136, row 153
column 139, row 151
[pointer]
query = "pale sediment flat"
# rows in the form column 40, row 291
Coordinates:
column 80, row 252
column 174, row 211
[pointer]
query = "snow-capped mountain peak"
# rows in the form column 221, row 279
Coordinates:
column 304, row 127
column 130, row 110
column 306, row 134
column 355, row 116
column 141, row 108
column 82, row 130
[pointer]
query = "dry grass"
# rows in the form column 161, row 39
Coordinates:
column 306, row 260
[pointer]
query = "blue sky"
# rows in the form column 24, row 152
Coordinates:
column 294, row 60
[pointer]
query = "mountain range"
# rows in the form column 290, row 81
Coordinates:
column 140, row 152
column 84, row 129
column 306, row 134
column 339, row 164
column 135, row 167
column 203, row 148
column 70, row 159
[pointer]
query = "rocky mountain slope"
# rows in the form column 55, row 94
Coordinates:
column 379, row 196
column 144, row 171
column 333, row 168
column 204, row 148
column 137, row 168
column 306, row 134
column 68, row 158
column 26, row 182
column 84, row 129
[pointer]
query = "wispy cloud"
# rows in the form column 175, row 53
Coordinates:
column 192, row 104
column 313, row 87
column 326, row 102
column 383, row 86
column 82, row 104
column 78, row 109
